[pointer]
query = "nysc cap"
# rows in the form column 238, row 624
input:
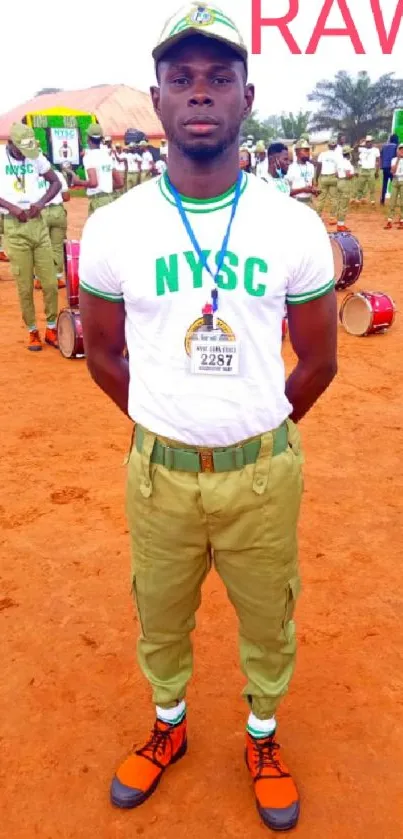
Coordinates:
column 200, row 19
column 23, row 138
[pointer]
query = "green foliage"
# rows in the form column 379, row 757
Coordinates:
column 356, row 106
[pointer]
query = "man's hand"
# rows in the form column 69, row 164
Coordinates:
column 377, row 173
column 35, row 210
column 19, row 214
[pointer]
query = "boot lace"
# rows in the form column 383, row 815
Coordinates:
column 157, row 746
column 265, row 753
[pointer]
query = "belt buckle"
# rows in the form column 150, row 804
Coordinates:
column 206, row 460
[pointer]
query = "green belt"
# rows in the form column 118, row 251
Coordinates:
column 211, row 460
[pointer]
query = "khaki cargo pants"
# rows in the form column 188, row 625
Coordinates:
column 396, row 199
column 344, row 191
column 366, row 183
column 56, row 219
column 29, row 250
column 133, row 179
column 249, row 519
column 97, row 201
column 328, row 188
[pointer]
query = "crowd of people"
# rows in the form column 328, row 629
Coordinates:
column 340, row 175
column 33, row 216
column 33, row 194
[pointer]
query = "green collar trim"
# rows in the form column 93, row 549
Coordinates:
column 202, row 205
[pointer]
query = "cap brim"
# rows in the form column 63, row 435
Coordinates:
column 30, row 154
column 161, row 49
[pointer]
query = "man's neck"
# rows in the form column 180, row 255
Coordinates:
column 206, row 178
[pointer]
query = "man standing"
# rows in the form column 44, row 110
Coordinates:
column 368, row 170
column 120, row 164
column 326, row 177
column 388, row 153
column 147, row 162
column 345, row 177
column 261, row 168
column 301, row 175
column 133, row 166
column 55, row 216
column 215, row 464
column 279, row 163
column 396, row 198
column 26, row 234
column 102, row 177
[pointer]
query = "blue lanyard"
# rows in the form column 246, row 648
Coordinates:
column 195, row 243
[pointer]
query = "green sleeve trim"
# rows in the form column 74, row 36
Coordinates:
column 113, row 298
column 306, row 297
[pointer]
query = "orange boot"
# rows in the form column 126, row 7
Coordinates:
column 51, row 337
column 139, row 775
column 35, row 343
column 277, row 798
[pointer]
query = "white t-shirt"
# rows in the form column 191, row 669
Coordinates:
column 161, row 166
column 398, row 176
column 329, row 160
column 300, row 175
column 119, row 165
column 19, row 179
column 58, row 199
column 344, row 167
column 147, row 161
column 281, row 184
column 339, row 151
column 164, row 288
column 262, row 169
column 133, row 162
column 100, row 160
column 368, row 157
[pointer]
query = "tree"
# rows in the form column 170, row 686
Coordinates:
column 266, row 130
column 356, row 106
column 293, row 125
column 48, row 90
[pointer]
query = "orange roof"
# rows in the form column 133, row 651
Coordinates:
column 117, row 108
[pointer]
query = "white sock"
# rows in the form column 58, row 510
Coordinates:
column 33, row 329
column 173, row 716
column 260, row 728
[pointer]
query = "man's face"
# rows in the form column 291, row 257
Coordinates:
column 283, row 161
column 202, row 98
column 400, row 152
column 244, row 159
column 303, row 155
column 342, row 140
column 369, row 144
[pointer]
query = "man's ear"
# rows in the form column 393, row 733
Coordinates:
column 155, row 98
column 249, row 99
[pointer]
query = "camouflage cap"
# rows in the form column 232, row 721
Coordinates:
column 200, row 19
column 94, row 130
column 23, row 138
column 302, row 144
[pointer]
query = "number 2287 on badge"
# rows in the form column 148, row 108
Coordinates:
column 212, row 356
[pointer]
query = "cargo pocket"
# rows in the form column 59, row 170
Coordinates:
column 294, row 441
column 292, row 593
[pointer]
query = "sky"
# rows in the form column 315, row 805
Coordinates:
column 77, row 45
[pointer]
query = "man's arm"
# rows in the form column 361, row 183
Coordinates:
column 318, row 171
column 14, row 210
column 103, row 324
column 54, row 187
column 91, row 181
column 313, row 333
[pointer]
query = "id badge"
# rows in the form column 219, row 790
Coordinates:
column 213, row 354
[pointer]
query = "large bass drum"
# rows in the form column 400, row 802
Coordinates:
column 71, row 260
column 70, row 334
column 348, row 259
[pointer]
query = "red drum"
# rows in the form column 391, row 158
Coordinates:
column 348, row 259
column 71, row 258
column 70, row 334
column 367, row 313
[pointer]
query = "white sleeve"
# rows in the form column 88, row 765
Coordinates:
column 88, row 161
column 377, row 153
column 96, row 274
column 311, row 274
column 42, row 165
column 320, row 157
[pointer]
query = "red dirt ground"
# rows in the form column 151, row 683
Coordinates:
column 72, row 698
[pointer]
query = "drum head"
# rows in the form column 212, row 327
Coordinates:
column 338, row 259
column 356, row 315
column 66, row 333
